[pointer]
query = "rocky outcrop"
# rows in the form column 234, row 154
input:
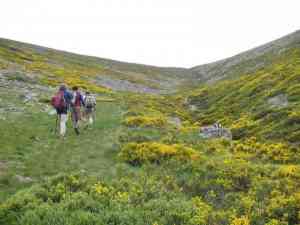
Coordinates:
column 278, row 101
column 215, row 132
column 125, row 85
column 23, row 179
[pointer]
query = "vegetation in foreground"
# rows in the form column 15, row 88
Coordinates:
column 144, row 162
column 153, row 173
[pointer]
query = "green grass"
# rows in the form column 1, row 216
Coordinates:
column 30, row 148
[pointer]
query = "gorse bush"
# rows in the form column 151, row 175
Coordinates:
column 137, row 153
column 290, row 171
column 145, row 121
column 276, row 152
column 141, row 200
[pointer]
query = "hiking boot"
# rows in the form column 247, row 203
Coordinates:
column 76, row 131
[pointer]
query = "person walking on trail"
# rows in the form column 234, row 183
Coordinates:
column 89, row 108
column 77, row 103
column 61, row 102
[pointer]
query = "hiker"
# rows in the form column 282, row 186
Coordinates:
column 90, row 108
column 61, row 102
column 77, row 103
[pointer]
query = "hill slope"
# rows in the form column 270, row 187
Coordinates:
column 52, row 67
column 249, row 61
column 265, row 103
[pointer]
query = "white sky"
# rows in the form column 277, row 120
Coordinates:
column 156, row 32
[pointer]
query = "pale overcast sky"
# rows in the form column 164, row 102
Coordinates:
column 156, row 32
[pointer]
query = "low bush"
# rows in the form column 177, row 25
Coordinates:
column 145, row 121
column 138, row 153
column 276, row 152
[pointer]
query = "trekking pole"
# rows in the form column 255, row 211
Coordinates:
column 94, row 114
column 56, row 122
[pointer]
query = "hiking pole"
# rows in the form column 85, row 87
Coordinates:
column 56, row 122
column 94, row 114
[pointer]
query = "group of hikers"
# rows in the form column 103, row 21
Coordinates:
column 73, row 101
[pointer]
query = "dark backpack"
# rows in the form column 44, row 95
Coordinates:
column 58, row 101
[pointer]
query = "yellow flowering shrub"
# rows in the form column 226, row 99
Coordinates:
column 277, row 152
column 243, row 121
column 240, row 127
column 121, row 197
column 289, row 171
column 284, row 206
column 137, row 153
column 100, row 189
column 216, row 145
column 240, row 221
column 145, row 121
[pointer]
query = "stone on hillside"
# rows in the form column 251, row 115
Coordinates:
column 193, row 108
column 22, row 179
column 279, row 101
column 29, row 97
column 215, row 132
column 125, row 85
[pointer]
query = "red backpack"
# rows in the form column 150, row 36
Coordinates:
column 58, row 100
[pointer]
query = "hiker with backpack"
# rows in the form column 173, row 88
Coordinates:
column 77, row 103
column 61, row 102
column 90, row 108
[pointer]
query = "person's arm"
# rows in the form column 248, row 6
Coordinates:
column 82, row 100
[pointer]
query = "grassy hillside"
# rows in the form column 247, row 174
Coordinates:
column 52, row 67
column 265, row 104
column 144, row 162
column 138, row 167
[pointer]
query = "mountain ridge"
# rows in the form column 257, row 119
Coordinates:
column 208, row 72
column 120, row 75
